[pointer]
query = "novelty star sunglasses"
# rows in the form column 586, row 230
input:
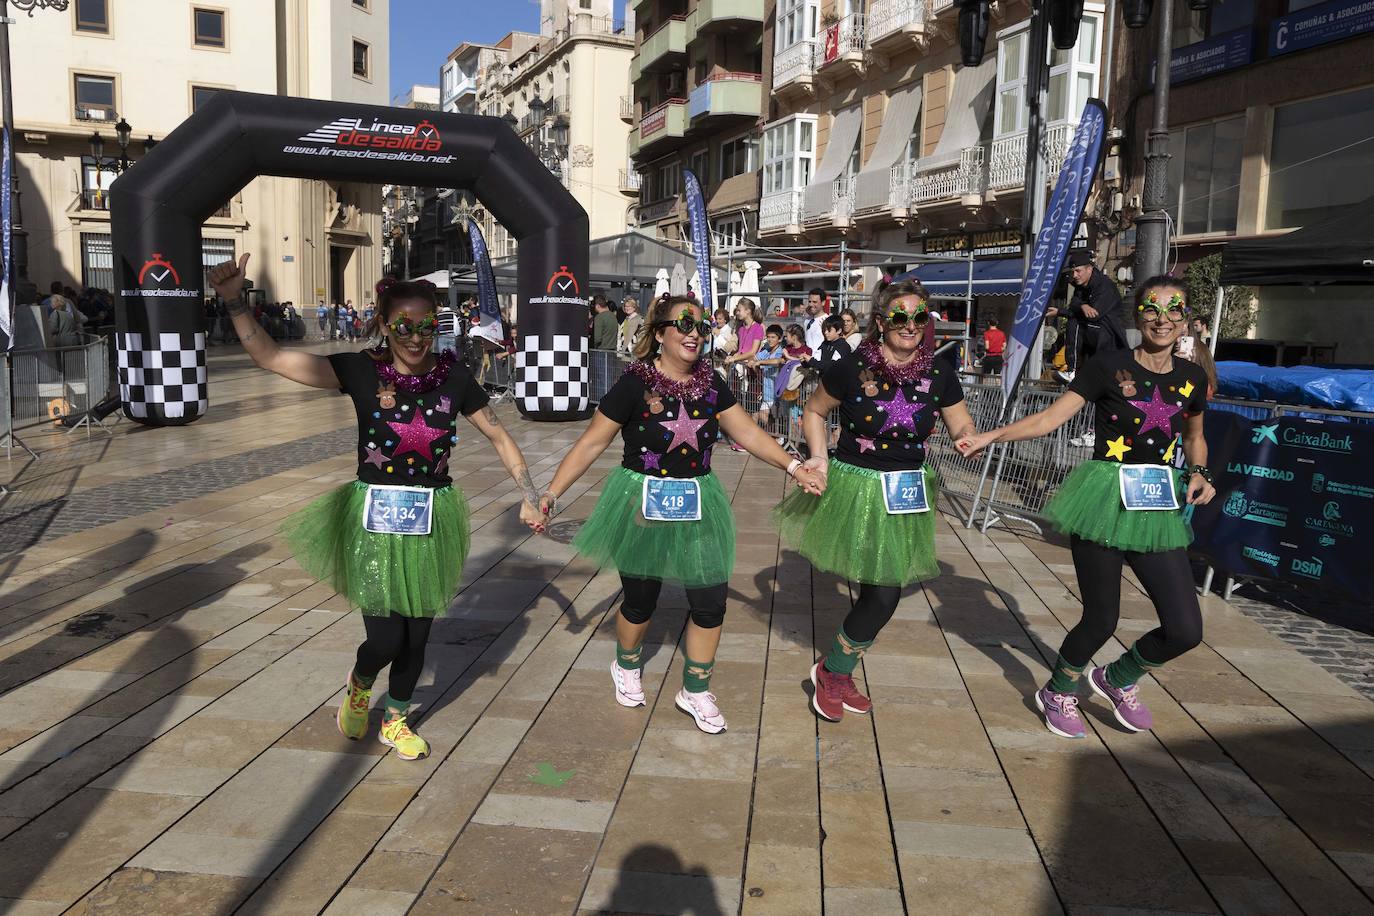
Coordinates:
column 403, row 327
column 686, row 323
column 1175, row 310
column 897, row 317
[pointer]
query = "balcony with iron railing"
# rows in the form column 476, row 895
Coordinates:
column 627, row 109
column 840, row 47
column 781, row 211
column 894, row 25
column 794, row 69
column 630, row 182
column 96, row 113
column 840, row 213
column 965, row 179
column 1007, row 159
column 942, row 7
column 558, row 105
column 726, row 96
column 899, row 189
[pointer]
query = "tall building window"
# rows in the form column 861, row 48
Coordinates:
column 214, row 252
column 93, row 16
column 701, row 165
column 360, row 59
column 200, row 95
column 730, row 234
column 95, row 98
column 668, row 181
column 789, row 153
column 97, row 261
column 739, row 156
column 209, row 26
column 796, row 21
column 1073, row 77
column 1320, row 158
column 1204, row 176
column 1221, row 17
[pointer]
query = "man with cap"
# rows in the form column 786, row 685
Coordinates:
column 1094, row 313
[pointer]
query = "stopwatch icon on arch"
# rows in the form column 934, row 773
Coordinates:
column 568, row 280
column 160, row 276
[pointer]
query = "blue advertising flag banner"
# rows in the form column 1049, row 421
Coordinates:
column 1294, row 497
column 1052, row 243
column 488, row 325
column 1319, row 25
column 6, row 240
column 701, row 239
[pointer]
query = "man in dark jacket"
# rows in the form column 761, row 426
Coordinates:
column 1096, row 316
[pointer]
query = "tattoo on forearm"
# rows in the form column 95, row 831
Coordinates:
column 526, row 484
column 249, row 336
column 236, row 306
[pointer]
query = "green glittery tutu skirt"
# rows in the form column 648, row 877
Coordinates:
column 1089, row 505
column 848, row 531
column 696, row 554
column 414, row 575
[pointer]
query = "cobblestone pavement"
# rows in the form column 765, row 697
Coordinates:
column 1339, row 647
column 170, row 683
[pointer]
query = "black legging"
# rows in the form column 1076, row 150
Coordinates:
column 399, row 642
column 641, row 600
column 873, row 609
column 1168, row 579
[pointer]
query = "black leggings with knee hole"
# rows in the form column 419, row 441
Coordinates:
column 399, row 642
column 1168, row 580
column 641, row 600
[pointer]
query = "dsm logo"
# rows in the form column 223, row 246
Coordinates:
column 563, row 282
column 159, row 269
column 1310, row 569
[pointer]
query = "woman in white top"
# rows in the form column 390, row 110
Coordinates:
column 852, row 334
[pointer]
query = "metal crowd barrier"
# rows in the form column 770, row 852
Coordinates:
column 604, row 368
column 43, row 386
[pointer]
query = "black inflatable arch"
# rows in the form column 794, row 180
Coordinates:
column 158, row 206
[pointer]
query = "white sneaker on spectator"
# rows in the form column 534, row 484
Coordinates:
column 1084, row 441
column 1064, row 376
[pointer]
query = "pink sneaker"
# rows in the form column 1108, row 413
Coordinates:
column 701, row 707
column 628, row 689
column 1061, row 713
column 1126, row 705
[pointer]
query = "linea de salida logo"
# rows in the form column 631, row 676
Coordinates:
column 159, row 277
column 375, row 134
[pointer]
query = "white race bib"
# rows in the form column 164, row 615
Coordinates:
column 904, row 492
column 398, row 510
column 1147, row 487
column 671, row 499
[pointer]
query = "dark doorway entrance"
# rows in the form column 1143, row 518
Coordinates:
column 338, row 264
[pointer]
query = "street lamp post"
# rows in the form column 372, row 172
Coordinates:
column 25, row 291
column 1152, row 225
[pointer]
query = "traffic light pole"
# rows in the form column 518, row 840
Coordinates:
column 1152, row 226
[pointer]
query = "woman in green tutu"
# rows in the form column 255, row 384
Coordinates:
column 393, row 541
column 662, row 514
column 875, row 525
column 1123, row 506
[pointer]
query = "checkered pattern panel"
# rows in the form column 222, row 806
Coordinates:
column 551, row 373
column 163, row 375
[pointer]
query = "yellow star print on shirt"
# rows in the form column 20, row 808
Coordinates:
column 1187, row 390
column 1117, row 448
column 1168, row 455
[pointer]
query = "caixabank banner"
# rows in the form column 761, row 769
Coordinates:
column 1295, row 500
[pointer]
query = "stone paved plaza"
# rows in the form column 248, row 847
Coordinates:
column 171, row 678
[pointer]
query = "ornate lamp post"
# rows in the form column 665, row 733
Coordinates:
column 25, row 291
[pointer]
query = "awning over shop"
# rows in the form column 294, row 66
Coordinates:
column 1338, row 250
column 1000, row 277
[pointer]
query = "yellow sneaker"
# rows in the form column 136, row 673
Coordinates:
column 353, row 710
column 409, row 746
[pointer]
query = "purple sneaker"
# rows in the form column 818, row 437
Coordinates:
column 1061, row 713
column 1126, row 705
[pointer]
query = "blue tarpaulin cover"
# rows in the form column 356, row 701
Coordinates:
column 1312, row 386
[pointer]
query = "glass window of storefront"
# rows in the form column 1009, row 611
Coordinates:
column 1320, row 158
column 1204, row 176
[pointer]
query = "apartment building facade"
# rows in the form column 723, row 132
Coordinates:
column 878, row 135
column 310, row 239
column 697, row 97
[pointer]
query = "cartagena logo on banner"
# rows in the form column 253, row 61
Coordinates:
column 373, row 139
column 563, row 289
column 159, row 277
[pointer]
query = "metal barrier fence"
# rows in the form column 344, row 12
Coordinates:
column 42, row 386
column 604, row 369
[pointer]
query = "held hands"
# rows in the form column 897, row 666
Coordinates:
column 969, row 446
column 1200, row 492
column 810, row 480
column 227, row 278
column 531, row 516
column 547, row 504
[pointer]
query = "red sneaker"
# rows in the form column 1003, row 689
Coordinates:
column 827, row 696
column 853, row 701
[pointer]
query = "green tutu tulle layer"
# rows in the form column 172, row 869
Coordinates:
column 694, row 553
column 411, row 575
column 849, row 532
column 1089, row 505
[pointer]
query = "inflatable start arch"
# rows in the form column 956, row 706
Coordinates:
column 158, row 206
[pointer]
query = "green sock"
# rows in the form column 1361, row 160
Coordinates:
column 696, row 676
column 1129, row 668
column 845, row 653
column 364, row 682
column 629, row 659
column 395, row 707
column 1064, row 679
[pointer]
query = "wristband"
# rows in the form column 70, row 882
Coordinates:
column 1201, row 471
column 792, row 468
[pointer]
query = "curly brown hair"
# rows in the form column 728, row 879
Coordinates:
column 664, row 309
column 389, row 293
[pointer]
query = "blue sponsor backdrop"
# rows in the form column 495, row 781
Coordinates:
column 1295, row 499
column 1319, row 25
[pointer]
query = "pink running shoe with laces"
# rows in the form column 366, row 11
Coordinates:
column 1126, row 705
column 702, row 708
column 629, row 688
column 1061, row 713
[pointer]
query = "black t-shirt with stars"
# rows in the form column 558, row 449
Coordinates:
column 887, row 430
column 674, row 442
column 405, row 439
column 1139, row 414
